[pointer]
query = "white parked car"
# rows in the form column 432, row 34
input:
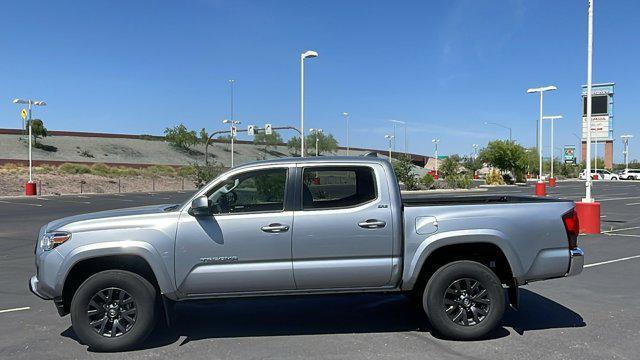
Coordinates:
column 630, row 174
column 602, row 175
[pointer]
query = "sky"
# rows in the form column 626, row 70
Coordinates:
column 443, row 67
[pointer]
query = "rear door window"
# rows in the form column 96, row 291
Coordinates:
column 337, row 187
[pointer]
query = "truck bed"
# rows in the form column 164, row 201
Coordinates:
column 409, row 200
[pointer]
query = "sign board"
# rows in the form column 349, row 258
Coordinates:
column 599, row 128
column 251, row 130
column 569, row 152
column 267, row 129
column 234, row 131
column 23, row 113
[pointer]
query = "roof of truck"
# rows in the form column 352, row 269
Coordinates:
column 317, row 159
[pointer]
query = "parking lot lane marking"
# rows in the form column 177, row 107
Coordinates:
column 638, row 203
column 612, row 261
column 623, row 229
column 621, row 198
column 19, row 203
column 14, row 309
column 627, row 235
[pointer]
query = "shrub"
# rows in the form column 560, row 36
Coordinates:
column 494, row 178
column 427, row 181
column 202, row 174
column 69, row 168
column 458, row 181
column 158, row 170
column 125, row 171
column 43, row 169
column 101, row 169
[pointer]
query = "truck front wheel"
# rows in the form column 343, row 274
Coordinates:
column 113, row 310
column 464, row 300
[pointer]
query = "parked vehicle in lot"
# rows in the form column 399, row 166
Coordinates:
column 303, row 226
column 602, row 175
column 630, row 174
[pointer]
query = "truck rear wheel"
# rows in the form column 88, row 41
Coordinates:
column 464, row 300
column 113, row 310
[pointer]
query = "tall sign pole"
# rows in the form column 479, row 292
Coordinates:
column 30, row 161
column 588, row 197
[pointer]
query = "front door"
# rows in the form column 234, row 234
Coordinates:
column 343, row 234
column 246, row 245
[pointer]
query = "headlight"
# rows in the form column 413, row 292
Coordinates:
column 53, row 239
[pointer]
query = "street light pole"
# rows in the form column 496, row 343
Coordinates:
column 231, row 82
column 404, row 124
column 232, row 128
column 500, row 125
column 304, row 55
column 552, row 118
column 435, row 142
column 475, row 151
column 540, row 90
column 30, row 103
column 625, row 139
column 391, row 142
column 346, row 117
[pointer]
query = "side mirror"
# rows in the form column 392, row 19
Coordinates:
column 200, row 207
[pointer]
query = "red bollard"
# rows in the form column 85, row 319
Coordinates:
column 541, row 189
column 589, row 217
column 30, row 189
column 552, row 182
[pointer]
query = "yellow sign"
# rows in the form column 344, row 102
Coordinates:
column 23, row 113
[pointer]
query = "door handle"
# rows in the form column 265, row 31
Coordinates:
column 372, row 224
column 275, row 228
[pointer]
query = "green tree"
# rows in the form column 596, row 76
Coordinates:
column 450, row 165
column 294, row 146
column 404, row 173
column 326, row 143
column 180, row 137
column 270, row 140
column 204, row 136
column 506, row 156
column 472, row 164
column 38, row 131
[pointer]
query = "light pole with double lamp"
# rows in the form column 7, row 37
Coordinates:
column 30, row 187
column 233, row 129
column 316, row 132
column 552, row 180
column 305, row 55
column 540, row 187
column 391, row 139
column 404, row 124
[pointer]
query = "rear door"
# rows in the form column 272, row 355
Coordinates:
column 343, row 228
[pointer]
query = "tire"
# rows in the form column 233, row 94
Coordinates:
column 459, row 319
column 98, row 300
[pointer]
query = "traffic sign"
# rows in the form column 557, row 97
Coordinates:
column 267, row 129
column 23, row 113
column 251, row 130
column 234, row 131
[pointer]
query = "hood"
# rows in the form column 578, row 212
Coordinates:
column 141, row 210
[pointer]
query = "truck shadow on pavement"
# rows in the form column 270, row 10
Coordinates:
column 334, row 314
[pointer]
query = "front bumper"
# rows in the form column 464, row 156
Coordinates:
column 38, row 289
column 576, row 262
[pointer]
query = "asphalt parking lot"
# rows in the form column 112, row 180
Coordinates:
column 592, row 316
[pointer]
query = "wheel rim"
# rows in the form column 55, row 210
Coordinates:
column 112, row 312
column 467, row 302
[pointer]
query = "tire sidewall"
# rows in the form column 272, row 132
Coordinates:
column 138, row 287
column 433, row 299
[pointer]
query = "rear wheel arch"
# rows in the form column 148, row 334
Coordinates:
column 486, row 253
column 85, row 268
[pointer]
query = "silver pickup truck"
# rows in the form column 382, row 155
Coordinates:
column 303, row 226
